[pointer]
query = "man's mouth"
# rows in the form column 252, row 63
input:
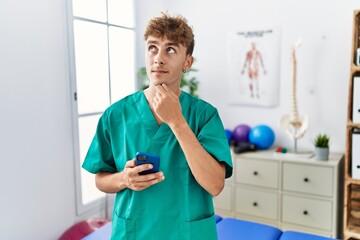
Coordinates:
column 159, row 71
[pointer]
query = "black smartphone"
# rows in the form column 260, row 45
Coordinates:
column 148, row 158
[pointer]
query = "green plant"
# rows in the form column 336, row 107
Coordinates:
column 188, row 82
column 322, row 141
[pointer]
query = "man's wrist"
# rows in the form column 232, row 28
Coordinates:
column 179, row 125
column 123, row 182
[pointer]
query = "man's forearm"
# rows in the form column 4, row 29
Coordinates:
column 208, row 172
column 110, row 182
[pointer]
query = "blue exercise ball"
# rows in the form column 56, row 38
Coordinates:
column 241, row 133
column 262, row 136
column 228, row 134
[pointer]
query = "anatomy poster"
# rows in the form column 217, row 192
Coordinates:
column 254, row 67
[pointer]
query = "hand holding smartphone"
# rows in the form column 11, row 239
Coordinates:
column 148, row 158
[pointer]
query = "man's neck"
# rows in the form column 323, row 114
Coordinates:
column 150, row 92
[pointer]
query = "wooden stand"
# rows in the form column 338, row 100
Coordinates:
column 352, row 186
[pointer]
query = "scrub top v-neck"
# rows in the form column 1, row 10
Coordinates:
column 178, row 207
column 153, row 129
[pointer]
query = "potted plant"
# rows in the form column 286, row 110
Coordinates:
column 322, row 147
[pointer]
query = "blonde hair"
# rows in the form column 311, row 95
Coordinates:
column 174, row 28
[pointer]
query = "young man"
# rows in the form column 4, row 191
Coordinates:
column 188, row 135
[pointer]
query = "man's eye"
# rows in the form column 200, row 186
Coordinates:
column 152, row 48
column 171, row 50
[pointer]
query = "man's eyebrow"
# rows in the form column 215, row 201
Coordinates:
column 167, row 44
column 152, row 42
column 172, row 44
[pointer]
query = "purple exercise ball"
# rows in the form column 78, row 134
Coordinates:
column 241, row 133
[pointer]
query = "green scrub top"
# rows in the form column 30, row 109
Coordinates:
column 178, row 207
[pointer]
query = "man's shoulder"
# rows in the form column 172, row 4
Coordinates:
column 123, row 103
column 198, row 104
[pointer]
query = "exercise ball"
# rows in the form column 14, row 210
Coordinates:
column 83, row 228
column 241, row 133
column 228, row 134
column 262, row 136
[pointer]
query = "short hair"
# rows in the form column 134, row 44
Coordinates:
column 174, row 28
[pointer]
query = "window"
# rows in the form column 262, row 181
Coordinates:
column 102, row 58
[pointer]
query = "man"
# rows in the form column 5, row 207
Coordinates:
column 187, row 133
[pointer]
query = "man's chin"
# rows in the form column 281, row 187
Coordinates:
column 157, row 83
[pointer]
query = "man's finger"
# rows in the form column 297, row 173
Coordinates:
column 158, row 95
column 149, row 179
column 143, row 167
column 160, row 90
column 168, row 90
column 165, row 87
column 131, row 163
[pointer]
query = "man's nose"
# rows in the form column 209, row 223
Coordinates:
column 159, row 58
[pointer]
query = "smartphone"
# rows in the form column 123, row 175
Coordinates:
column 148, row 158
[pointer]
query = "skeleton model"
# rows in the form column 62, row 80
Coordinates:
column 293, row 124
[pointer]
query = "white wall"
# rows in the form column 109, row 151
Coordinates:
column 37, row 177
column 323, row 59
column 145, row 10
column 37, row 174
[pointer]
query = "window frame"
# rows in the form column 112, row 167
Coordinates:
column 106, row 200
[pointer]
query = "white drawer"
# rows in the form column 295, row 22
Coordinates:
column 356, row 100
column 307, row 212
column 316, row 180
column 257, row 172
column 223, row 200
column 256, row 203
column 355, row 155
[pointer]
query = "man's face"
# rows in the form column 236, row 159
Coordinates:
column 165, row 61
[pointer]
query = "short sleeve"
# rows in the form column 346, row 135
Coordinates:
column 212, row 137
column 99, row 156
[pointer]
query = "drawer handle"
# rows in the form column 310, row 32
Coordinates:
column 305, row 212
column 306, row 179
column 358, row 166
column 255, row 173
column 255, row 204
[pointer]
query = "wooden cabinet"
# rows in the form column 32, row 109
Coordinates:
column 352, row 151
column 286, row 191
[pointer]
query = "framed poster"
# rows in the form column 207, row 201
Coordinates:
column 254, row 67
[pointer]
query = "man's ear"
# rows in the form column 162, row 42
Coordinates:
column 188, row 62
